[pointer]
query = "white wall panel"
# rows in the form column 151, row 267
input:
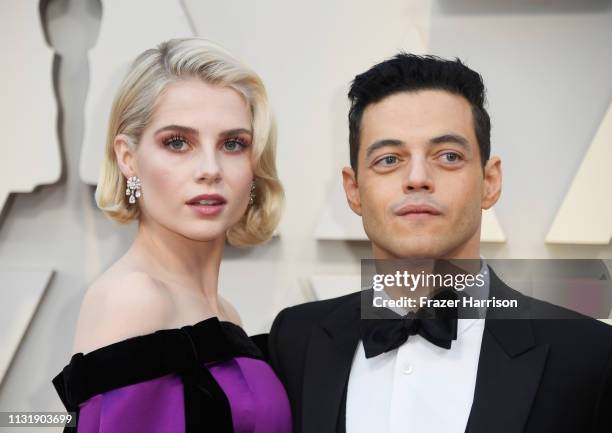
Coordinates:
column 28, row 113
column 127, row 29
column 585, row 216
column 21, row 290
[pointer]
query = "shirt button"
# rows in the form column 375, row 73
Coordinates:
column 407, row 369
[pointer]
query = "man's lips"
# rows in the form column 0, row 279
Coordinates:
column 416, row 210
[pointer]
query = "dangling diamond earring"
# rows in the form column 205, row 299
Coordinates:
column 133, row 188
column 252, row 194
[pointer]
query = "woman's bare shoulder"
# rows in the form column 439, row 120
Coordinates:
column 230, row 312
column 120, row 305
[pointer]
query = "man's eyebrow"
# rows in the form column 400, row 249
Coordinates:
column 382, row 143
column 449, row 138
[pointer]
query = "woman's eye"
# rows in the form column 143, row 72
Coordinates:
column 176, row 143
column 451, row 156
column 387, row 160
column 233, row 145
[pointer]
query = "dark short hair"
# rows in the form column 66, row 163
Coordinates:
column 409, row 72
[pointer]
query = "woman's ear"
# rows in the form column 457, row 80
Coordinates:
column 124, row 152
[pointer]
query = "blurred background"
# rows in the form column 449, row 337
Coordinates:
column 547, row 65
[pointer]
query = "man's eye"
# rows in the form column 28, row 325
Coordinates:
column 451, row 157
column 387, row 160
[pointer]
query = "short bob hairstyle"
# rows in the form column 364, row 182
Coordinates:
column 149, row 75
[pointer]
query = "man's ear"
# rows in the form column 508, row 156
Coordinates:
column 492, row 182
column 124, row 153
column 351, row 189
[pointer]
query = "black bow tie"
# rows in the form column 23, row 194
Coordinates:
column 382, row 335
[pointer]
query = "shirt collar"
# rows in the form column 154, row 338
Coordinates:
column 475, row 292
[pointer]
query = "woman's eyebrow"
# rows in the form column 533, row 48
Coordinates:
column 181, row 128
column 192, row 131
column 236, row 131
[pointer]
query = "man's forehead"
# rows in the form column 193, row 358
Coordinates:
column 419, row 105
column 418, row 116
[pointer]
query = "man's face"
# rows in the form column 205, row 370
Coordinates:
column 420, row 186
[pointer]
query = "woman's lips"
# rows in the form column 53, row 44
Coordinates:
column 207, row 209
column 207, row 204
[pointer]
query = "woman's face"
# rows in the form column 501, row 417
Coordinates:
column 194, row 160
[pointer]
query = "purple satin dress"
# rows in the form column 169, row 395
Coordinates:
column 208, row 377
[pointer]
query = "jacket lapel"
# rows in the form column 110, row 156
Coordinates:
column 330, row 353
column 509, row 369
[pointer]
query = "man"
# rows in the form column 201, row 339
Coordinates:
column 420, row 176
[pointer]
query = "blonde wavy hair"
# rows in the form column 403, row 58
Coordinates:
column 150, row 73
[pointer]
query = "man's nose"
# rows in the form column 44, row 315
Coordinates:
column 418, row 175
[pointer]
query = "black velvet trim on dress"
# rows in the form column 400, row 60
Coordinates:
column 183, row 351
column 261, row 341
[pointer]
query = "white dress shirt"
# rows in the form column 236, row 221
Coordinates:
column 418, row 387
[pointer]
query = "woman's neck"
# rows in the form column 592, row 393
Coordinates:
column 177, row 260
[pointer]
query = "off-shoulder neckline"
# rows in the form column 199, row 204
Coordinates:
column 143, row 357
column 200, row 324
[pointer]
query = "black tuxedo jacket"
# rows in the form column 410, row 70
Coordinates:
column 534, row 375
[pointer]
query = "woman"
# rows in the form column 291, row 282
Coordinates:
column 190, row 155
